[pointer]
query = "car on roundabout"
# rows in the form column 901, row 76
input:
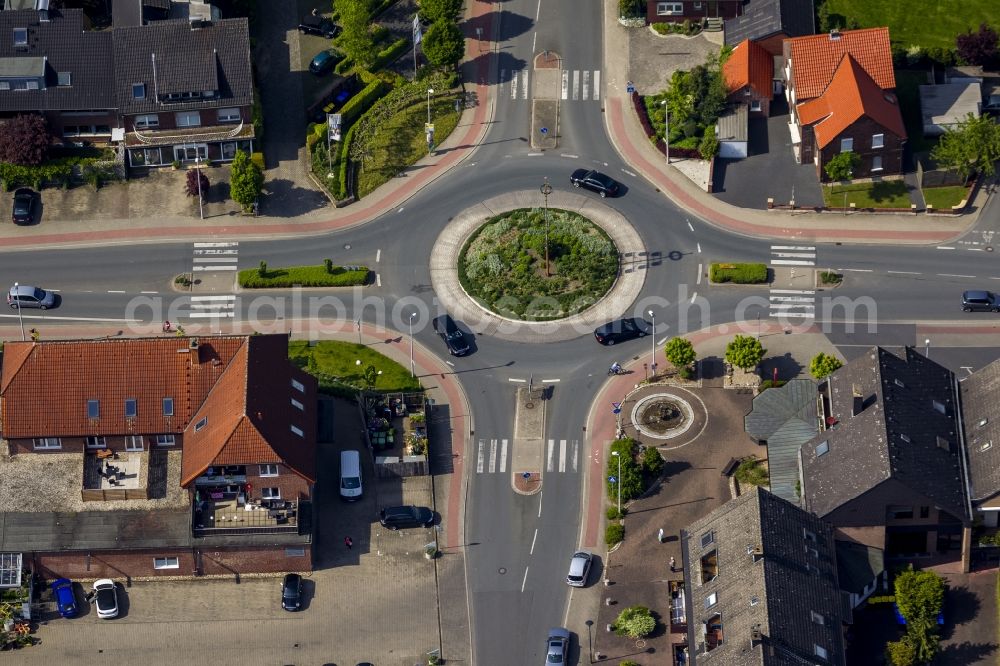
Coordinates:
column 622, row 330
column 595, row 181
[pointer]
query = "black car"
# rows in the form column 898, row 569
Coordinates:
column 291, row 592
column 453, row 337
column 980, row 301
column 396, row 517
column 317, row 25
column 24, row 205
column 594, row 180
column 622, row 330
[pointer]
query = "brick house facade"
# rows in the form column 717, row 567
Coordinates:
column 676, row 11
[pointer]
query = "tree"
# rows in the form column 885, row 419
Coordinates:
column 631, row 473
column 246, row 180
column 24, row 140
column 978, row 48
column 709, row 146
column 901, row 652
column 635, row 622
column 356, row 39
column 973, row 146
column 919, row 596
column 444, row 44
column 196, row 179
column 680, row 352
column 822, row 365
column 440, row 10
column 744, row 352
column 842, row 166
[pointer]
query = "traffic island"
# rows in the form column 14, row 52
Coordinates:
column 526, row 453
column 547, row 88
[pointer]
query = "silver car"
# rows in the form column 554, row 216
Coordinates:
column 557, row 651
column 579, row 569
column 25, row 296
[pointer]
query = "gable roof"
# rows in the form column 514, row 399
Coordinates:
column 776, row 592
column 888, row 427
column 786, row 417
column 749, row 65
column 851, row 95
column 981, row 418
column 815, row 58
column 66, row 48
column 764, row 18
column 173, row 57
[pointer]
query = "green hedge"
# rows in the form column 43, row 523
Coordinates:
column 345, row 163
column 739, row 273
column 389, row 54
column 343, row 66
column 304, row 276
column 360, row 102
column 613, row 534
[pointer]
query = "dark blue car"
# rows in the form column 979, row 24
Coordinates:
column 65, row 599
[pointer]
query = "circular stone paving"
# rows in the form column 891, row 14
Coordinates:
column 664, row 415
column 453, row 298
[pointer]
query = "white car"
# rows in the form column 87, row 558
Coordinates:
column 579, row 569
column 106, row 598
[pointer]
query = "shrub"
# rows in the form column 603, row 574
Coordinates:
column 360, row 102
column 822, row 365
column 614, row 514
column 751, row 472
column 770, row 383
column 842, row 166
column 652, row 461
column 686, row 372
column 978, row 48
column 196, row 183
column 262, row 269
column 635, row 622
column 739, row 273
column 709, row 146
column 246, row 180
column 389, row 55
column 613, row 534
column 744, row 352
column 631, row 476
column 680, row 352
column 328, row 265
column 829, row 277
column 258, row 159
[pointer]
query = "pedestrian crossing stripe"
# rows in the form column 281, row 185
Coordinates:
column 561, row 456
column 578, row 85
column 787, row 303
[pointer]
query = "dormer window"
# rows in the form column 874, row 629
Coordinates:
column 938, row 406
column 138, row 91
column 982, row 422
column 201, row 424
column 93, row 409
column 903, row 436
column 823, row 448
column 130, row 408
column 20, row 36
column 65, row 78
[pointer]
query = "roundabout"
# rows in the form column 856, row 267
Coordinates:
column 448, row 249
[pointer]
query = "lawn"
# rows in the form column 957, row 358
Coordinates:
column 334, row 364
column 401, row 141
column 944, row 197
column 304, row 276
column 885, row 194
column 908, row 84
column 926, row 23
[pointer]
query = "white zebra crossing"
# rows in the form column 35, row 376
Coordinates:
column 569, row 453
column 793, row 302
column 561, row 456
column 575, row 84
column 207, row 307
column 216, row 256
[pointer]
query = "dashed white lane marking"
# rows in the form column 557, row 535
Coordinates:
column 953, row 275
column 115, row 292
column 904, row 272
column 149, row 292
column 945, row 247
column 378, row 279
column 699, row 248
column 857, row 270
column 519, row 381
column 378, row 255
column 565, row 84
column 694, row 296
column 689, row 226
column 572, row 157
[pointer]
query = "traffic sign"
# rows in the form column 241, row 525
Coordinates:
column 544, row 131
column 526, row 475
column 612, row 479
column 629, row 87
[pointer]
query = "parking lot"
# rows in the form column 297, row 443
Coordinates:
column 373, row 602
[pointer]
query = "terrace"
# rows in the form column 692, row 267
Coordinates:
column 233, row 515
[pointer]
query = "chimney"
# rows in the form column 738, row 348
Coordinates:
column 756, row 637
column 195, row 352
column 858, row 401
column 834, row 35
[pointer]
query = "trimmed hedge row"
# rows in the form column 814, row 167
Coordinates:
column 360, row 102
column 739, row 273
column 389, row 54
column 304, row 276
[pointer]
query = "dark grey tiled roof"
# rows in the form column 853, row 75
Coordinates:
column 786, row 418
column 763, row 18
column 86, row 55
column 776, row 592
column 857, row 565
column 213, row 57
column 899, row 434
column 136, row 12
column 981, row 415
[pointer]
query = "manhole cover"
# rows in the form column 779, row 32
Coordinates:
column 502, row 570
column 529, row 405
column 989, row 248
column 347, row 246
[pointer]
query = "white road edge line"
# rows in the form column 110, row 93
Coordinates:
column 450, row 363
column 378, row 279
column 525, row 581
column 904, row 272
column 149, row 292
column 945, row 247
column 519, row 381
column 533, row 539
column 378, row 255
column 689, row 226
column 953, row 275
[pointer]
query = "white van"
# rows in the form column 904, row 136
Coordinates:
column 350, row 475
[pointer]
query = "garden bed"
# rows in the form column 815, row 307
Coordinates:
column 502, row 265
column 304, row 276
column 738, row 273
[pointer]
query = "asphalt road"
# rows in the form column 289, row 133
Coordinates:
column 517, row 554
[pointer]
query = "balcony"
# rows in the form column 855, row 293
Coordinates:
column 230, row 515
column 709, row 567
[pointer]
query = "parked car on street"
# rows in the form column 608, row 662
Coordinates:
column 622, row 330
column 62, row 589
column 579, row 568
column 106, row 599
column 318, row 25
column 26, row 296
column 557, row 651
column 25, row 201
column 980, row 301
column 595, row 181
column 397, row 517
column 291, row 592
column 324, row 61
column 452, row 335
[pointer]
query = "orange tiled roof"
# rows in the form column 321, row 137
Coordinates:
column 749, row 64
column 850, row 95
column 815, row 58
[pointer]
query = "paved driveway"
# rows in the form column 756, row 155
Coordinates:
column 769, row 170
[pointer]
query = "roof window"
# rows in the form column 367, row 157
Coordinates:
column 823, row 448
column 707, row 539
column 903, row 436
column 20, row 36
column 93, row 409
column 138, row 91
column 168, row 406
column 130, row 408
column 201, row 424
column 982, row 422
column 65, row 78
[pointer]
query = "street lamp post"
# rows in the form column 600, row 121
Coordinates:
column 619, row 481
column 927, row 347
column 428, row 127
column 430, row 91
column 412, row 315
column 652, row 334
column 197, row 166
column 18, row 301
column 666, row 130
column 546, row 190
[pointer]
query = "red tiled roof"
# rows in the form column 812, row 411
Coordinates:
column 749, row 64
column 850, row 95
column 815, row 58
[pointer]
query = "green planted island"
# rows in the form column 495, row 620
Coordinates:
column 503, row 264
